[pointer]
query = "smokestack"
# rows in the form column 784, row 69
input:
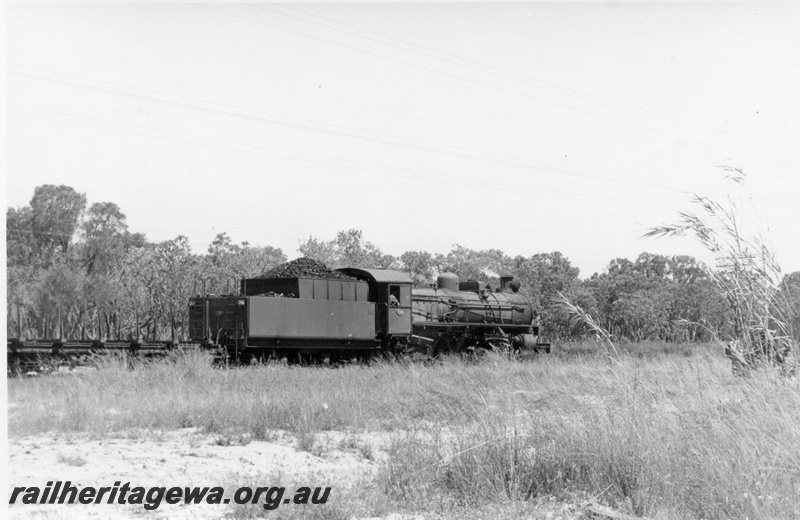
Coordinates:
column 509, row 282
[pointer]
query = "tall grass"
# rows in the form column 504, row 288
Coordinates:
column 747, row 275
column 663, row 439
column 663, row 435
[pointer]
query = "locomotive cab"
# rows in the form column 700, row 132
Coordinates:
column 391, row 292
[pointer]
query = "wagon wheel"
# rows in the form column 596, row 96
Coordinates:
column 399, row 350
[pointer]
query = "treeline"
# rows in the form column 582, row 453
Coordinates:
column 78, row 272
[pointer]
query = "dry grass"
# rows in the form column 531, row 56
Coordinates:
column 746, row 274
column 339, row 506
column 667, row 432
column 664, row 439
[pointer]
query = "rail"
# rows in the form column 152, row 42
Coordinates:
column 25, row 355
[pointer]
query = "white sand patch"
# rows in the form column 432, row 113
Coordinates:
column 180, row 458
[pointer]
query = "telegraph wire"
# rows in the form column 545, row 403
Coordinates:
column 530, row 164
column 509, row 163
column 462, row 78
column 480, row 67
column 240, row 143
column 513, row 76
column 534, row 166
column 271, row 114
column 441, row 72
column 475, row 183
column 232, row 111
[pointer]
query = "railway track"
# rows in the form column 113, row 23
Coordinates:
column 37, row 355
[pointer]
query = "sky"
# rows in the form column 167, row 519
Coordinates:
column 524, row 127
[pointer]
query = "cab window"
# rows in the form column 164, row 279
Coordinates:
column 405, row 296
column 394, row 296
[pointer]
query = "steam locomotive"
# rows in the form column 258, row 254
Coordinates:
column 362, row 314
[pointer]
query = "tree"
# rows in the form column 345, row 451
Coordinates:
column 41, row 275
column 697, row 310
column 177, row 271
column 543, row 277
column 229, row 260
column 62, row 300
column 106, row 237
column 418, row 265
column 319, row 250
column 642, row 314
column 677, row 293
column 470, row 264
column 55, row 215
column 19, row 237
column 353, row 251
column 348, row 249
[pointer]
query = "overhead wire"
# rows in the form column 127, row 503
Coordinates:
column 553, row 169
column 272, row 114
column 438, row 151
column 429, row 69
column 233, row 111
column 516, row 189
column 506, row 74
column 428, row 176
column 456, row 76
column 239, row 143
column 616, row 202
column 253, row 115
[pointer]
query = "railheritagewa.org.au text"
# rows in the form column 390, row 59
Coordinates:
column 65, row 492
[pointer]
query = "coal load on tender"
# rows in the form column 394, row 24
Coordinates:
column 304, row 268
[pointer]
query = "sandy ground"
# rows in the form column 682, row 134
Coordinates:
column 180, row 458
column 345, row 462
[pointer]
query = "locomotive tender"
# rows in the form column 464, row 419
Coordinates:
column 372, row 311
